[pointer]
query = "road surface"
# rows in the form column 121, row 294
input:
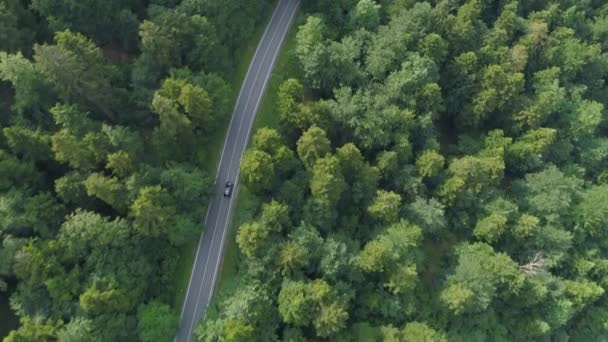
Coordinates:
column 209, row 251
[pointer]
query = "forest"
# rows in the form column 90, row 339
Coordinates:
column 439, row 173
column 107, row 110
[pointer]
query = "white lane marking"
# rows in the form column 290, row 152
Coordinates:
column 219, row 165
column 252, row 89
column 224, row 149
column 230, row 164
column 238, row 99
column 191, row 326
column 246, row 141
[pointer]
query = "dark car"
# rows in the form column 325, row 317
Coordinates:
column 228, row 189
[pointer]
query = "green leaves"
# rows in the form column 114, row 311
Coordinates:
column 551, row 193
column 331, row 319
column 184, row 230
column 366, row 14
column 473, row 174
column 24, row 214
column 430, row 163
column 289, row 104
column 31, row 90
column 385, row 207
column 529, row 151
column 186, row 116
column 418, row 331
column 327, row 182
column 301, row 251
column 14, row 25
column 102, row 21
column 311, row 51
column 79, row 329
column 570, row 52
column 31, row 145
column 366, row 118
column 593, row 211
column 295, row 303
column 120, row 163
column 434, row 47
column 586, row 119
column 313, row 145
column 109, row 190
column 156, row 322
column 257, row 171
column 415, row 72
column 8, row 250
column 300, row 303
column 549, row 97
column 499, row 90
column 101, row 181
column 178, row 92
column 153, row 211
column 96, row 301
column 251, row 238
column 458, row 298
column 76, row 69
column 267, row 140
column 84, row 233
column 479, row 276
column 429, row 215
column 85, row 153
column 480, row 122
column 34, row 330
column 238, row 331
column 397, row 243
column 490, row 228
column 189, row 186
column 255, row 239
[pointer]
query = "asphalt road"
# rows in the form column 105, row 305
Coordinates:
column 209, row 251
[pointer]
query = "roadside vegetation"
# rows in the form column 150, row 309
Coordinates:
column 285, row 67
column 111, row 117
column 439, row 172
column 243, row 54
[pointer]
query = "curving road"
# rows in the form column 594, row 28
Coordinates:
column 209, row 251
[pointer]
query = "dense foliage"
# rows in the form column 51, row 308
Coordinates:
column 106, row 109
column 440, row 173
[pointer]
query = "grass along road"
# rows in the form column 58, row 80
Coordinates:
column 246, row 205
column 210, row 248
column 211, row 154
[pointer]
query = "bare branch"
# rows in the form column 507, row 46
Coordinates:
column 535, row 265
